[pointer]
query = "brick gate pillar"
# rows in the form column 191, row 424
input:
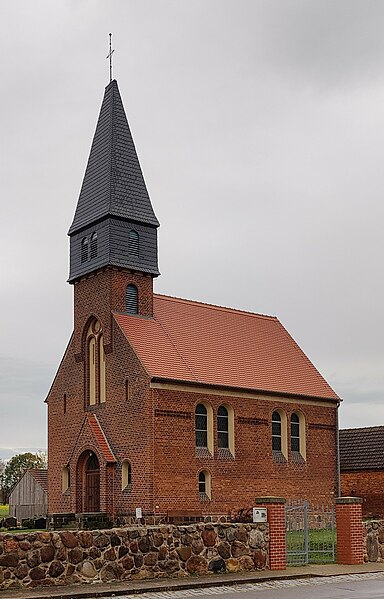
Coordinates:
column 349, row 528
column 277, row 536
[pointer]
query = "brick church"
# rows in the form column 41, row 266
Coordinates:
column 171, row 405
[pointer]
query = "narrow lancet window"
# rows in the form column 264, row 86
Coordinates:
column 95, row 390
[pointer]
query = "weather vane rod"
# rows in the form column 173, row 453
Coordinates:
column 109, row 55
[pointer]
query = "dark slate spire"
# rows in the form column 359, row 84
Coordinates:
column 113, row 182
column 113, row 199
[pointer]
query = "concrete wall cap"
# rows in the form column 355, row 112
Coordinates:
column 348, row 500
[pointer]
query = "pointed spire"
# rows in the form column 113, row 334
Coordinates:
column 113, row 183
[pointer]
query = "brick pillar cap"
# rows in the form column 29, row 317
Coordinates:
column 270, row 499
column 348, row 500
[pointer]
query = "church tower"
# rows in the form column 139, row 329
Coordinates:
column 113, row 236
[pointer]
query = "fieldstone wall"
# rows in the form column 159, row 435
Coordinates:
column 373, row 541
column 67, row 557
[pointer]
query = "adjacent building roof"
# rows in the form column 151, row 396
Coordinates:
column 200, row 343
column 113, row 183
column 362, row 448
column 40, row 476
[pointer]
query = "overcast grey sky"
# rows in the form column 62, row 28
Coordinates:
column 259, row 126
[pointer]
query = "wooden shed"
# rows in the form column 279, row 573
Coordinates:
column 29, row 497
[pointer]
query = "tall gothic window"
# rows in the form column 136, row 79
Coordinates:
column 276, row 431
column 131, row 299
column 95, row 388
column 133, row 243
column 222, row 428
column 295, row 433
column 201, row 426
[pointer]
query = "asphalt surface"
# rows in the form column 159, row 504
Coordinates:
column 298, row 582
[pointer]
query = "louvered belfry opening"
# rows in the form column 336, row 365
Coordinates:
column 93, row 245
column 133, row 243
column 131, row 299
column 84, row 250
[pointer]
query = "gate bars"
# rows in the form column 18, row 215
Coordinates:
column 310, row 533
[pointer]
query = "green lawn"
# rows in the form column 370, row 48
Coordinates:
column 319, row 544
column 4, row 511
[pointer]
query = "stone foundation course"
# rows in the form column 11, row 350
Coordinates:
column 68, row 557
column 373, row 541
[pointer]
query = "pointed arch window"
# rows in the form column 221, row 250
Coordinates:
column 131, row 300
column 133, row 243
column 95, row 365
column 84, row 249
column 93, row 245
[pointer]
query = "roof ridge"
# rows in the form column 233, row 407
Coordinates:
column 215, row 306
column 363, row 428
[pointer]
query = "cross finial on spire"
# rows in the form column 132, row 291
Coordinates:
column 109, row 55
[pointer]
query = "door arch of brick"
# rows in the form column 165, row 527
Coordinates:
column 88, row 483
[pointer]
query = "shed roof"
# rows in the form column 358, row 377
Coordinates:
column 362, row 448
column 201, row 343
column 40, row 476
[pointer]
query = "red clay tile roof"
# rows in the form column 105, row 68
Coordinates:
column 205, row 344
column 362, row 448
column 100, row 437
column 41, row 476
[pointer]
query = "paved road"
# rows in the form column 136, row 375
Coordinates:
column 353, row 586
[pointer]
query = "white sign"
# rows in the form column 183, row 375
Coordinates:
column 259, row 514
column 139, row 513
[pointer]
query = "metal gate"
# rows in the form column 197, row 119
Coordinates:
column 310, row 533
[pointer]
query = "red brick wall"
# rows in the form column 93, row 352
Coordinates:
column 277, row 530
column 159, row 444
column 368, row 484
column 349, row 528
column 253, row 471
column 127, row 423
column 102, row 292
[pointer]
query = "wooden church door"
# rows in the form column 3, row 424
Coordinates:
column 92, row 485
